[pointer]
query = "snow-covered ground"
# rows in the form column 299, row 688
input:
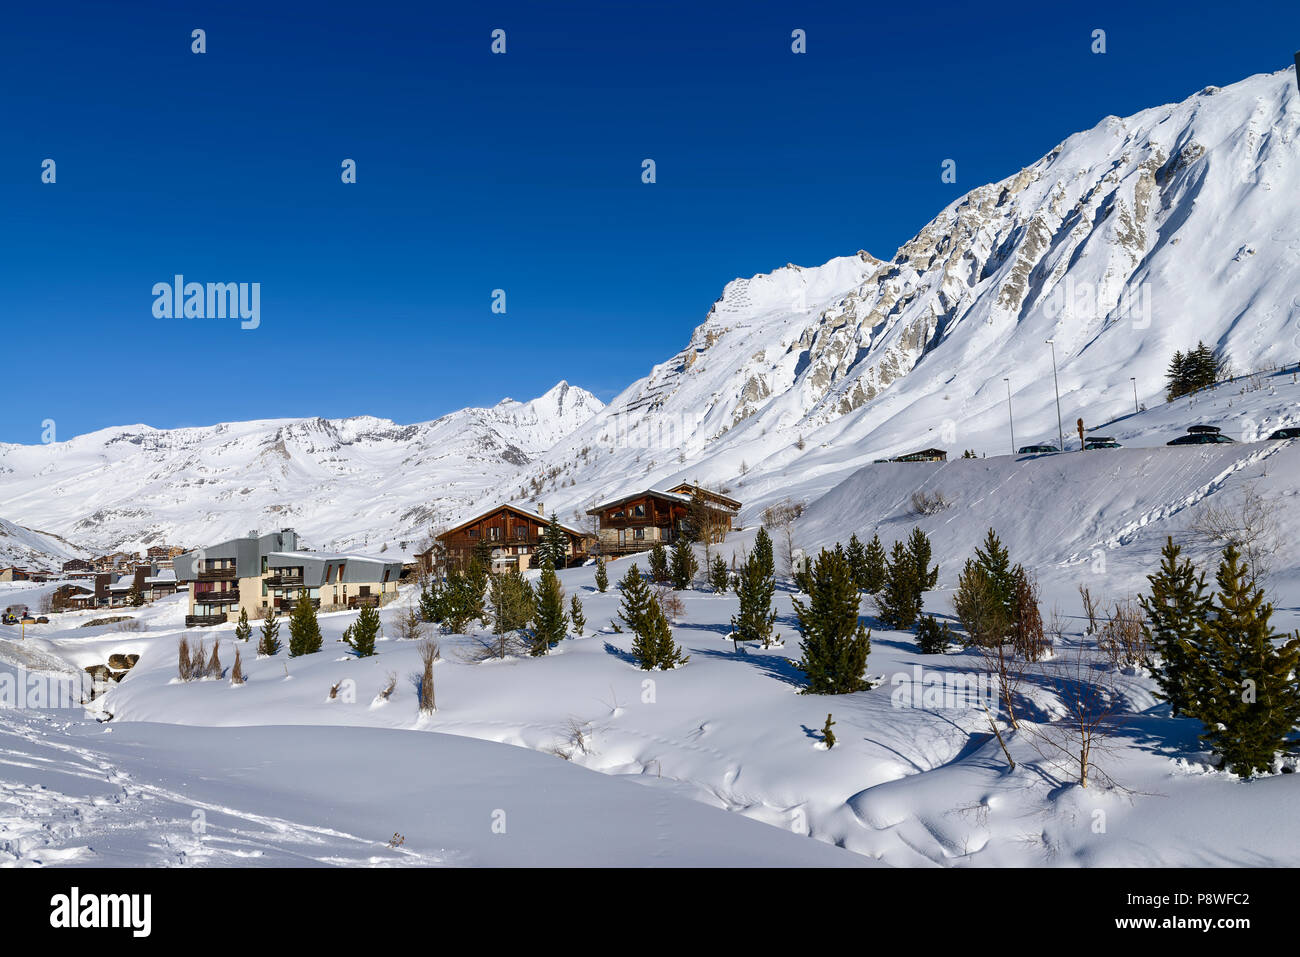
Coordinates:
column 911, row 781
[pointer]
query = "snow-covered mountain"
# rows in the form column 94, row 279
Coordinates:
column 34, row 550
column 1124, row 243
column 363, row 481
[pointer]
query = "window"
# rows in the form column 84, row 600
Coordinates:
column 521, row 532
column 473, row 533
column 638, row 533
column 638, row 511
column 494, row 533
column 617, row 514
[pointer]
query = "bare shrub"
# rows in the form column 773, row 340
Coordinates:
column 334, row 688
column 1122, row 638
column 237, row 670
column 185, row 659
column 214, row 669
column 388, row 689
column 129, row 624
column 1009, row 672
column 428, row 655
column 1090, row 607
column 1250, row 526
column 782, row 516
column 669, row 603
column 928, row 503
column 1027, row 633
column 409, row 626
column 1091, row 711
column 1056, row 627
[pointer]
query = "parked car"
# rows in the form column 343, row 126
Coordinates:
column 1100, row 442
column 42, row 620
column 1037, row 449
column 1204, row 429
column 1292, row 432
column 1201, row 438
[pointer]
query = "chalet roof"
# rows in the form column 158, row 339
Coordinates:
column 687, row 488
column 919, row 454
column 652, row 493
column 512, row 508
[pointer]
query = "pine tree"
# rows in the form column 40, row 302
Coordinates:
column 979, row 609
column 718, row 574
column 754, row 620
column 431, row 602
column 243, row 630
column 576, row 615
column 360, row 636
column 555, row 544
column 463, row 598
column 683, row 565
column 763, row 551
column 304, row 629
column 873, row 568
column 658, row 559
column 658, row 636
column 635, row 605
column 999, row 579
column 602, row 576
column 835, row 644
column 510, row 602
column 1175, row 377
column 900, row 598
column 1174, row 613
column 1249, row 687
column 549, row 622
column 136, row 598
column 856, row 555
column 269, row 643
column 918, row 548
column 931, row 637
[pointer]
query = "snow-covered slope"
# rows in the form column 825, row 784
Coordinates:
column 1123, row 244
column 363, row 481
column 34, row 550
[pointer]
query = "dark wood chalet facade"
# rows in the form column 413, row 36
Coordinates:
column 636, row 522
column 511, row 533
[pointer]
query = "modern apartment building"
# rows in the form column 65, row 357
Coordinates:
column 269, row 573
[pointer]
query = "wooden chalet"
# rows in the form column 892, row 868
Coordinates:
column 925, row 455
column 637, row 522
column 511, row 533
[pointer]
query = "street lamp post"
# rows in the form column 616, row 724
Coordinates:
column 1134, row 380
column 1060, row 430
column 1010, row 419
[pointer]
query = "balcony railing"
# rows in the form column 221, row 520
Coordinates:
column 280, row 581
column 363, row 601
column 217, row 597
column 289, row 604
column 217, row 574
column 203, row 621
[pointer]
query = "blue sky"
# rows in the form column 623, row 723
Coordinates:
column 520, row 172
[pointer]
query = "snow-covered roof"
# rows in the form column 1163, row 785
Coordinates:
column 671, row 496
